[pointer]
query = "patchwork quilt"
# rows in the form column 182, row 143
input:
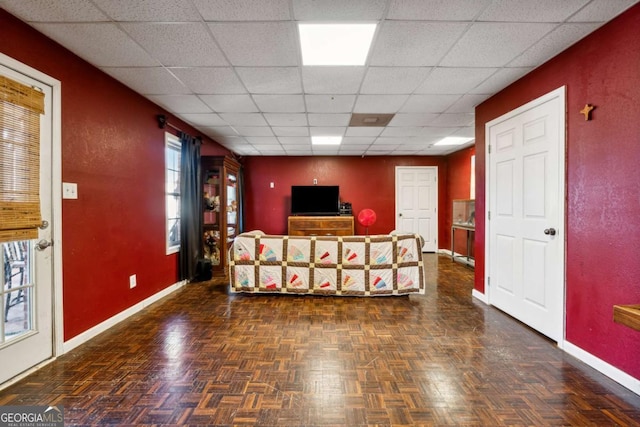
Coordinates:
column 328, row 265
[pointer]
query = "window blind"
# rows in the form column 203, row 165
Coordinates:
column 20, row 109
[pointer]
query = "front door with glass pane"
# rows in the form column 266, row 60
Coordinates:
column 26, row 328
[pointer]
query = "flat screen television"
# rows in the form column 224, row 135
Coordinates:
column 315, row 200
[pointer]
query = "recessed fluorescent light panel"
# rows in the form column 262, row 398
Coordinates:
column 453, row 140
column 335, row 44
column 326, row 140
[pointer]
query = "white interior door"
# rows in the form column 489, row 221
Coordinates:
column 26, row 329
column 417, row 203
column 525, row 219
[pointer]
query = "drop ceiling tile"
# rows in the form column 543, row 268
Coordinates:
column 529, row 11
column 202, row 119
column 233, row 141
column 404, row 131
column 262, row 140
column 181, row 104
column 412, row 119
column 148, row 80
column 336, row 80
column 359, row 141
column 266, row 146
column 468, row 131
column 259, row 43
column 325, row 150
column 218, row 131
column 454, row 119
column 329, row 103
column 602, row 10
column 351, row 151
column 155, row 10
column 485, row 43
column 249, row 131
column 177, row 44
column 433, row 132
column 291, row 131
column 210, row 80
column 244, row 119
column 552, row 44
column 338, row 10
column 498, row 81
column 230, row 103
column 364, row 131
column 243, row 10
column 466, row 104
column 270, row 150
column 295, row 140
column 296, row 151
column 244, row 149
column 393, row 80
column 387, row 143
column 278, row 119
column 453, row 80
column 54, row 11
column 403, row 43
column 327, row 130
column 280, row 103
column 328, row 119
column 379, row 103
column 429, row 103
column 381, row 151
column 101, row 44
column 436, row 10
column 271, row 80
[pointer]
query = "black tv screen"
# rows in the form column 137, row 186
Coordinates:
column 315, row 200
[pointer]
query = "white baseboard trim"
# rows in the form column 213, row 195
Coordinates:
column 480, row 296
column 101, row 327
column 603, row 367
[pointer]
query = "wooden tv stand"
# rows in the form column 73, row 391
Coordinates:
column 321, row 226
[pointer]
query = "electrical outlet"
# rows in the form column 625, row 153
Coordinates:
column 132, row 281
column 272, row 185
column 315, row 181
column 69, row 190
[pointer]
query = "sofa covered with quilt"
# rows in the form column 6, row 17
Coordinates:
column 379, row 265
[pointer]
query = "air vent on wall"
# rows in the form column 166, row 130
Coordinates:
column 370, row 119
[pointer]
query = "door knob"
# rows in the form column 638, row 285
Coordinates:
column 43, row 244
column 550, row 231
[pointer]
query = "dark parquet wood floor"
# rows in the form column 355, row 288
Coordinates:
column 202, row 357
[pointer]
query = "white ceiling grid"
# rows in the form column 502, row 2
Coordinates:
column 232, row 68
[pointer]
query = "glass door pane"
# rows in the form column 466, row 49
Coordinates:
column 16, row 297
column 232, row 206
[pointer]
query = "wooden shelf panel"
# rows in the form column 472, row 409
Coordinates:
column 628, row 315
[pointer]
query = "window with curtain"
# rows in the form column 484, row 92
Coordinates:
column 20, row 110
column 172, row 191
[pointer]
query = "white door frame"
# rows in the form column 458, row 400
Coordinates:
column 56, row 198
column 557, row 93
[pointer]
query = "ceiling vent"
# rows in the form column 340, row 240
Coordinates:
column 377, row 120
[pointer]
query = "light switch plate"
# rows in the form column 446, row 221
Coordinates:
column 69, row 190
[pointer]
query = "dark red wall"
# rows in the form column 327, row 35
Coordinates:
column 366, row 182
column 113, row 149
column 603, row 182
column 458, row 187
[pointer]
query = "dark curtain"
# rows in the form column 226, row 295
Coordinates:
column 190, row 207
column 241, row 200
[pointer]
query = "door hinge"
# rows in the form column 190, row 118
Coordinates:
column 489, row 215
column 489, row 148
column 488, row 281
